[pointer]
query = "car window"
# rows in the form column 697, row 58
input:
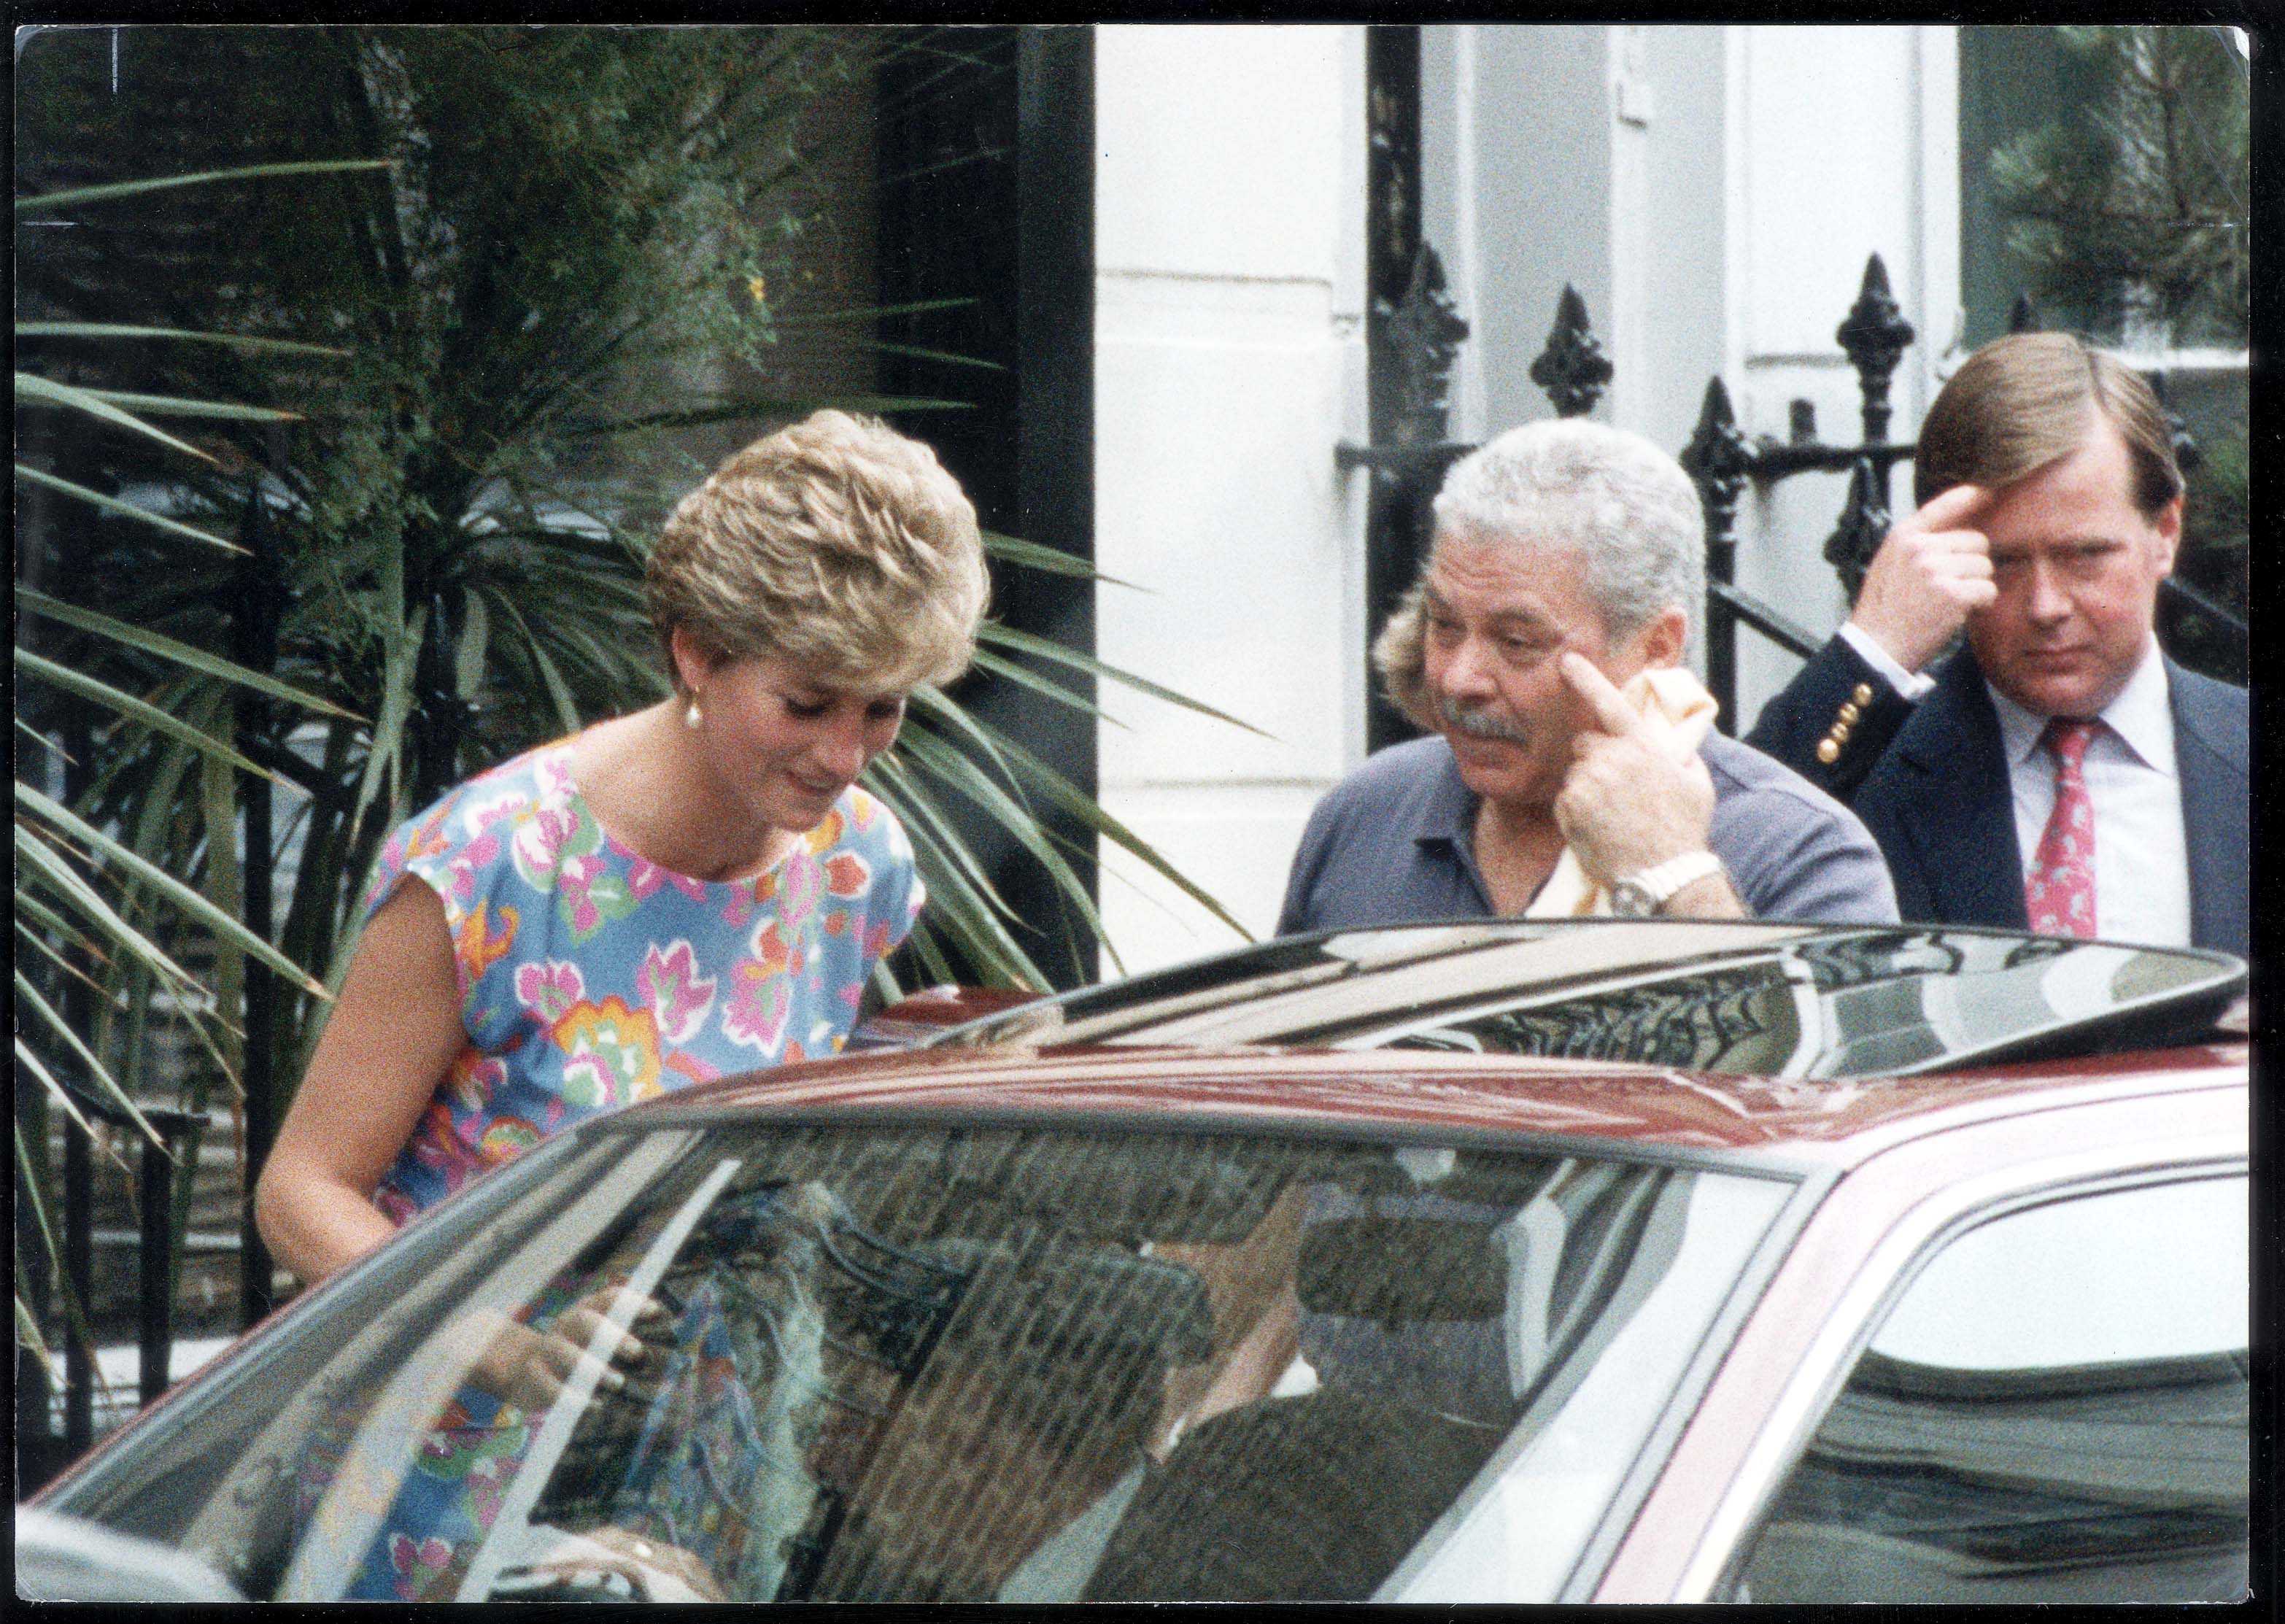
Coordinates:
column 2055, row 1411
column 972, row 1364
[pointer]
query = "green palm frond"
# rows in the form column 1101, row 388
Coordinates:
column 79, row 197
column 125, row 510
column 1047, row 560
column 33, row 390
column 234, row 341
column 143, row 639
column 1046, row 648
column 440, row 403
column 126, row 705
column 177, row 894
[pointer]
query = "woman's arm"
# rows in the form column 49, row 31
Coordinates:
column 395, row 1031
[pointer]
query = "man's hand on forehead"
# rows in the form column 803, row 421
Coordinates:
column 1931, row 572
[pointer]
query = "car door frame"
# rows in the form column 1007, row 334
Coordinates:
column 1876, row 1228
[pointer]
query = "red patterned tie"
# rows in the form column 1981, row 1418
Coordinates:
column 2059, row 896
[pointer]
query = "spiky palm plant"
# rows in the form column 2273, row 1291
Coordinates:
column 91, row 903
column 539, row 262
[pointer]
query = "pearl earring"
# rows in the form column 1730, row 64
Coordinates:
column 692, row 717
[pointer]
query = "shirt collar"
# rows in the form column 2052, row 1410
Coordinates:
column 1447, row 811
column 2142, row 716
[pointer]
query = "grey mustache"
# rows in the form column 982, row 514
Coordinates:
column 1482, row 723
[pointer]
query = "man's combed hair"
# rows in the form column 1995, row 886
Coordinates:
column 1564, row 485
column 2031, row 398
column 837, row 545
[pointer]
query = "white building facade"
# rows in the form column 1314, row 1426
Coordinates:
column 1712, row 191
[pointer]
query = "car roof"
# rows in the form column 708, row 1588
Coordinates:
column 1770, row 999
column 1793, row 1121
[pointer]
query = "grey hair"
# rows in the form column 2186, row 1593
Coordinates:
column 1565, row 484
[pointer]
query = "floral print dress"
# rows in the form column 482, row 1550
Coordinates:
column 590, row 978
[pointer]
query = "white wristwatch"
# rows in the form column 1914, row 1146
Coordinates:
column 1638, row 896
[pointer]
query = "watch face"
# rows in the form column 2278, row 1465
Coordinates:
column 1629, row 900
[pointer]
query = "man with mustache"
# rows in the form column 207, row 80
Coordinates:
column 1574, row 770
column 2059, row 772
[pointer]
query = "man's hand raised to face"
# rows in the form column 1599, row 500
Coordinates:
column 1630, row 801
column 1930, row 572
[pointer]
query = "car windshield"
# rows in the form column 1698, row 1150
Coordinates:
column 962, row 1363
column 1757, row 999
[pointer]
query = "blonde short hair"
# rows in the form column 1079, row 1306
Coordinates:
column 837, row 545
column 1564, row 484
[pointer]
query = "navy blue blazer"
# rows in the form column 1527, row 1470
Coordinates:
column 1930, row 780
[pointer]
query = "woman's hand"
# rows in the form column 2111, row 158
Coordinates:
column 527, row 1369
column 530, row 1369
column 646, row 1561
column 656, row 1572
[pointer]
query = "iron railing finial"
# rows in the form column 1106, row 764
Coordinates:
column 1876, row 335
column 1573, row 369
column 1423, row 336
column 1720, row 459
column 1865, row 521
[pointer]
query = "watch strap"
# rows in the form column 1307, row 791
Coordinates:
column 1661, row 880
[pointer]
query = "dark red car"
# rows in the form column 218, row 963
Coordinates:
column 1491, row 1262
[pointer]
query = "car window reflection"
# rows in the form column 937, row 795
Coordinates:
column 1760, row 999
column 2056, row 1409
column 963, row 1365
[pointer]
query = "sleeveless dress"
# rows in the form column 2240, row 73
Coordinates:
column 590, row 978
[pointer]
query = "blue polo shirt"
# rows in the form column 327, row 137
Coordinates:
column 1395, row 840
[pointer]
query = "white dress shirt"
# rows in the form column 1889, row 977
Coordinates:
column 2141, row 858
column 1911, row 685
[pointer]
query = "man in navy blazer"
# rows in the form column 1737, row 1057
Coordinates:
column 2049, row 510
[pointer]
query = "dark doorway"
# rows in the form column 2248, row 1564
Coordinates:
column 986, row 141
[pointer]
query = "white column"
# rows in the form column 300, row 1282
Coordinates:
column 1229, row 199
column 1672, row 304
column 1590, row 155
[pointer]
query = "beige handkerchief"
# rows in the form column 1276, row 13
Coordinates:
column 1680, row 711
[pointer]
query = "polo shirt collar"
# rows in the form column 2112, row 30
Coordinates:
column 1447, row 813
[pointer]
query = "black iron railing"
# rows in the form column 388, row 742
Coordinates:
column 41, row 1451
column 1413, row 342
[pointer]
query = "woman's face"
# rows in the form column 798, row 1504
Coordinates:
column 785, row 745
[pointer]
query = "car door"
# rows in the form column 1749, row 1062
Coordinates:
column 2053, row 1410
column 2004, row 1363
